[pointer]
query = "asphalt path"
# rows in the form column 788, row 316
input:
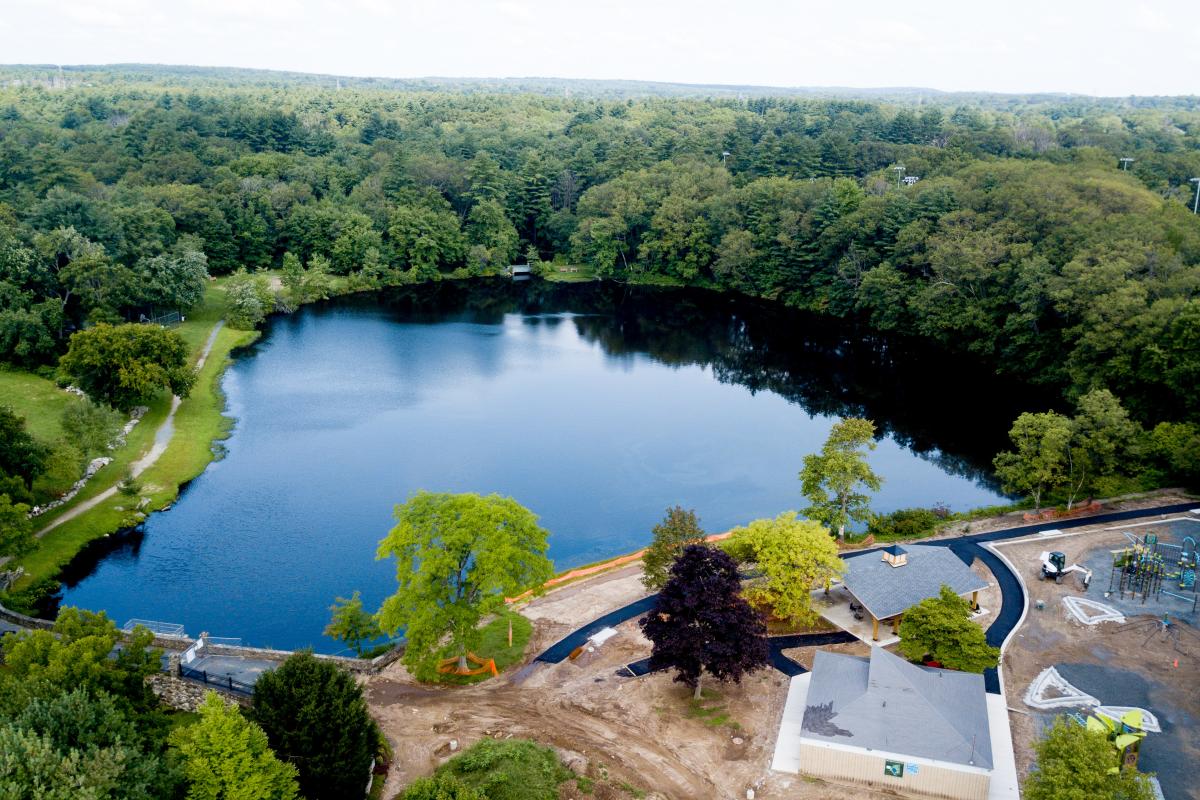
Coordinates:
column 967, row 548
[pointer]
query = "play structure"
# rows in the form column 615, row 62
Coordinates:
column 1124, row 734
column 1149, row 568
column 1054, row 565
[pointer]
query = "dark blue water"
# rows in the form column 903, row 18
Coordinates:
column 596, row 407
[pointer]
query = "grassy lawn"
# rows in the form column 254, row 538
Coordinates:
column 494, row 645
column 581, row 273
column 36, row 399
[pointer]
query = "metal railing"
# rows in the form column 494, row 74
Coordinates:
column 219, row 681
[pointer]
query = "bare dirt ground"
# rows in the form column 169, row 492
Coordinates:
column 1131, row 664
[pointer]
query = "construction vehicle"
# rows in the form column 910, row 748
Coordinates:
column 1054, row 565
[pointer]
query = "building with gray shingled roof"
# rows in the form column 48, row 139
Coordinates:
column 889, row 582
column 885, row 722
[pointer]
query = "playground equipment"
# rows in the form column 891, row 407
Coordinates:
column 1125, row 735
column 1142, row 568
column 1054, row 565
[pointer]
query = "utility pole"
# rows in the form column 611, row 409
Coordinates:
column 1125, row 162
column 899, row 170
column 724, row 155
column 1196, row 202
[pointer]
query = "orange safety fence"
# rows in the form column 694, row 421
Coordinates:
column 1052, row 514
column 449, row 666
column 583, row 572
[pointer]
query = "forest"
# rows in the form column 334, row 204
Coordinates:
column 1004, row 228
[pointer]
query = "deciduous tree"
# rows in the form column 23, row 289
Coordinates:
column 1074, row 763
column 351, row 623
column 1039, row 463
column 701, row 623
column 125, row 365
column 457, row 557
column 832, row 480
column 795, row 556
column 941, row 628
column 678, row 529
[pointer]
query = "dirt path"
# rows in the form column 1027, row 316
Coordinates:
column 162, row 438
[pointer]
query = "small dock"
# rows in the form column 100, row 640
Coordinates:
column 520, row 272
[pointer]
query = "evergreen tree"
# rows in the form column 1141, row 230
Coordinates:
column 315, row 718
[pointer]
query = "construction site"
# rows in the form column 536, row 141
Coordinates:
column 1110, row 640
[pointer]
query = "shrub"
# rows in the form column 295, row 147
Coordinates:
column 512, row 769
column 906, row 523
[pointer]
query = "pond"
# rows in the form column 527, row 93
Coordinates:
column 595, row 405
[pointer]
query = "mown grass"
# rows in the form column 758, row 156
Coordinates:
column 581, row 273
column 36, row 399
column 494, row 644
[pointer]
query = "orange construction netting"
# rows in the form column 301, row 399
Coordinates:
column 448, row 666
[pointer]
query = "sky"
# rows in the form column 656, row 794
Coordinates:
column 1094, row 47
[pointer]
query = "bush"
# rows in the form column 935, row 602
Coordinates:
column 907, row 523
column 512, row 769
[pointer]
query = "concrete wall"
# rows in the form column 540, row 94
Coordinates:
column 865, row 768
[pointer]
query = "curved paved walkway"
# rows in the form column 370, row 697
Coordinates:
column 162, row 438
column 967, row 548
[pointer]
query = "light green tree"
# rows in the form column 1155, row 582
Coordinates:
column 457, row 557
column 679, row 528
column 90, row 426
column 1039, row 463
column 248, row 300
column 1101, row 434
column 941, row 627
column 1074, row 763
column 226, row 757
column 832, row 480
column 795, row 556
column 351, row 623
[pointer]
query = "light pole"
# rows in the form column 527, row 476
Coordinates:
column 724, row 155
column 1196, row 202
column 1125, row 162
column 899, row 169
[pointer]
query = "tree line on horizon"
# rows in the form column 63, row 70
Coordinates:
column 1022, row 244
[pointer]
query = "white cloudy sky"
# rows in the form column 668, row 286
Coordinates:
column 1089, row 46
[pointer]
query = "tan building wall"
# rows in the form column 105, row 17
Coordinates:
column 865, row 768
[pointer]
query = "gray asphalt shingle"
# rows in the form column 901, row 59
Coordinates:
column 886, row 591
column 885, row 703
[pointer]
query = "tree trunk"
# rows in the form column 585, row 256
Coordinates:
column 696, row 694
column 462, row 662
column 842, row 532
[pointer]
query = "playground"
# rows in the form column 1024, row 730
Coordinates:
column 1131, row 639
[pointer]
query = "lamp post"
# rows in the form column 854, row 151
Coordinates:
column 724, row 155
column 899, row 170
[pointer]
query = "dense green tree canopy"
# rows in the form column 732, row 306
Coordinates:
column 316, row 719
column 457, row 557
column 1074, row 763
column 124, row 365
column 795, row 556
column 226, row 757
column 941, row 628
column 1022, row 242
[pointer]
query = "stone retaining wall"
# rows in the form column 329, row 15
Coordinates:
column 186, row 695
column 358, row 665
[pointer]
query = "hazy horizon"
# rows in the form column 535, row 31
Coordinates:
column 1105, row 49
